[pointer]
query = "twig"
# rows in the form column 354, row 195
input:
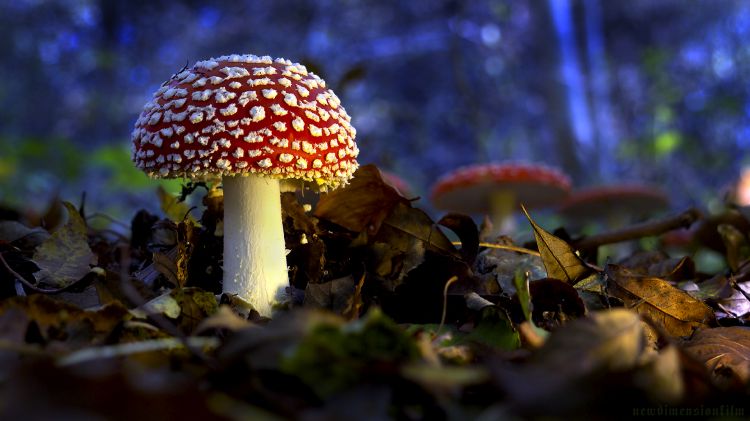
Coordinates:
column 450, row 281
column 503, row 247
column 645, row 229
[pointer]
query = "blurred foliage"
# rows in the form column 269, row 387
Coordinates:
column 431, row 84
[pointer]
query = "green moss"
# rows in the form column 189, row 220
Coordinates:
column 330, row 359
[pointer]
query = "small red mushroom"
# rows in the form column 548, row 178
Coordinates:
column 498, row 189
column 252, row 121
column 613, row 204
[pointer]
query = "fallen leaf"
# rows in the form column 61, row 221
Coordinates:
column 736, row 244
column 559, row 258
column 467, row 232
column 589, row 365
column 361, row 205
column 334, row 295
column 65, row 257
column 671, row 308
column 22, row 236
column 725, row 351
column 57, row 321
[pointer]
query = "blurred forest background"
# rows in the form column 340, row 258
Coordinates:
column 646, row 90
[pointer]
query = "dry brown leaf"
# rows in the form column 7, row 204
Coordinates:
column 362, row 205
column 65, row 257
column 724, row 350
column 559, row 258
column 671, row 308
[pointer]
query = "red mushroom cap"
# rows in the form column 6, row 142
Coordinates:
column 468, row 189
column 627, row 199
column 244, row 114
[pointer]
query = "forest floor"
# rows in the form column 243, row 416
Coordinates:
column 387, row 317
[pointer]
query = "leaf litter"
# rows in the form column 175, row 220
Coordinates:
column 388, row 319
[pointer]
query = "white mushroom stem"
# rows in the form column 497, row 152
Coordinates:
column 502, row 204
column 254, row 254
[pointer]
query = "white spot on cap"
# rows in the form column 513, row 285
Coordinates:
column 286, row 158
column 257, row 113
column 222, row 96
column 224, row 164
column 265, row 163
column 290, row 100
column 253, row 137
column 215, row 80
column 334, row 100
column 247, row 96
column 238, row 153
column 322, row 99
column 196, row 117
column 312, row 116
column 269, row 93
column 167, row 132
column 301, row 163
column 179, row 116
column 278, row 110
column 308, row 147
column 285, row 82
column 154, row 119
column 231, row 109
column 259, row 82
column 206, row 64
column 298, row 124
column 234, row 72
column 280, row 126
column 201, row 95
column 315, row 131
column 235, row 85
column 254, row 153
column 156, row 140
column 302, row 91
column 330, row 157
column 317, row 163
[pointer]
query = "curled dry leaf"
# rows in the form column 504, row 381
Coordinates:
column 725, row 351
column 560, row 259
column 671, row 308
column 361, row 205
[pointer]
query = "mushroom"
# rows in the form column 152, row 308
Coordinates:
column 497, row 189
column 252, row 121
column 614, row 204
